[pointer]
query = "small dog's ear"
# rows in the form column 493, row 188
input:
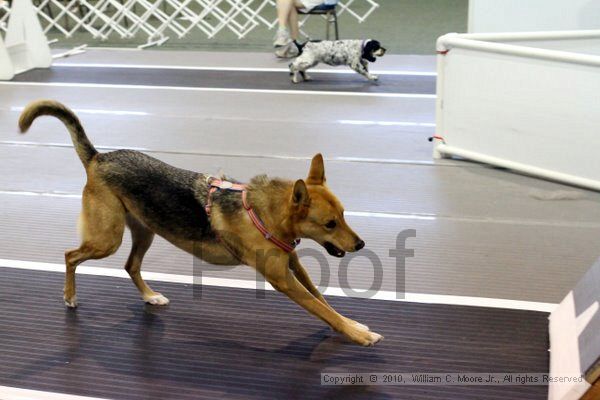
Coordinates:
column 300, row 195
column 316, row 174
column 368, row 50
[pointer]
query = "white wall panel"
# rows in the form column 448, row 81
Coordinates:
column 532, row 110
column 533, row 15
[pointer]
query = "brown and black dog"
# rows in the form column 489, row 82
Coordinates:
column 129, row 188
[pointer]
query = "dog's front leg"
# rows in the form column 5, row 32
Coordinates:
column 362, row 68
column 294, row 72
column 277, row 272
column 302, row 275
column 300, row 65
column 305, row 76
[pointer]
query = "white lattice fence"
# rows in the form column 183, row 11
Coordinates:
column 157, row 19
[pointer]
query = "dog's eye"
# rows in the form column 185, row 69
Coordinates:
column 331, row 224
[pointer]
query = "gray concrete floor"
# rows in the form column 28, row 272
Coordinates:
column 480, row 231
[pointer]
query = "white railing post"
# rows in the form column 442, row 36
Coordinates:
column 6, row 67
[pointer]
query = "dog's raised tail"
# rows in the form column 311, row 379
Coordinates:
column 84, row 148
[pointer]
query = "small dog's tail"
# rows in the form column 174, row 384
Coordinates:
column 300, row 47
column 84, row 148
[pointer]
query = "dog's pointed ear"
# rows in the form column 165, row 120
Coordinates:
column 316, row 174
column 300, row 195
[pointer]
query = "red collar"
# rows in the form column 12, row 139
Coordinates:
column 215, row 184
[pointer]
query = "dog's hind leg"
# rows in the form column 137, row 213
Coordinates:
column 102, row 223
column 305, row 66
column 305, row 76
column 141, row 238
column 300, row 65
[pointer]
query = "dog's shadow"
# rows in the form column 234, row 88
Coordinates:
column 144, row 347
column 346, row 82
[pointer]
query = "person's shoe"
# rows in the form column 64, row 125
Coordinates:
column 292, row 50
column 282, row 38
column 281, row 51
column 288, row 51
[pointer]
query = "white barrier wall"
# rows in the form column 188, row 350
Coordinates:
column 25, row 46
column 7, row 71
column 532, row 110
column 533, row 15
column 25, row 40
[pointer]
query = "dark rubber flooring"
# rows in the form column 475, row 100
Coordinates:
column 230, row 79
column 231, row 343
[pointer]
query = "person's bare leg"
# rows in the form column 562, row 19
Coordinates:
column 294, row 26
column 284, row 8
column 287, row 9
column 289, row 31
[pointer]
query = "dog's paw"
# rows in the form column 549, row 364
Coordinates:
column 70, row 302
column 295, row 78
column 374, row 338
column 156, row 300
column 307, row 77
column 373, row 78
column 361, row 336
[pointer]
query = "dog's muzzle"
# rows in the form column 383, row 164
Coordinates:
column 334, row 250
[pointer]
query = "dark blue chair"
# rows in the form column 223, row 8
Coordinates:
column 331, row 18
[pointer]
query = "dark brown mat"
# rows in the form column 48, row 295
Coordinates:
column 230, row 79
column 227, row 343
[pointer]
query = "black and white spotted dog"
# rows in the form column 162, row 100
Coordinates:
column 354, row 53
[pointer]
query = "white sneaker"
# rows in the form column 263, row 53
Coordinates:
column 288, row 51
column 282, row 38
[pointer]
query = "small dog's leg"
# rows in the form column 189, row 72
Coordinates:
column 300, row 65
column 294, row 71
column 102, row 223
column 302, row 275
column 283, row 280
column 305, row 76
column 72, row 259
column 313, row 62
column 361, row 69
column 370, row 76
column 141, row 238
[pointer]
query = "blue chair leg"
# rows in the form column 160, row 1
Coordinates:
column 337, row 31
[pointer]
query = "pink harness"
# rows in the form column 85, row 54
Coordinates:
column 215, row 184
